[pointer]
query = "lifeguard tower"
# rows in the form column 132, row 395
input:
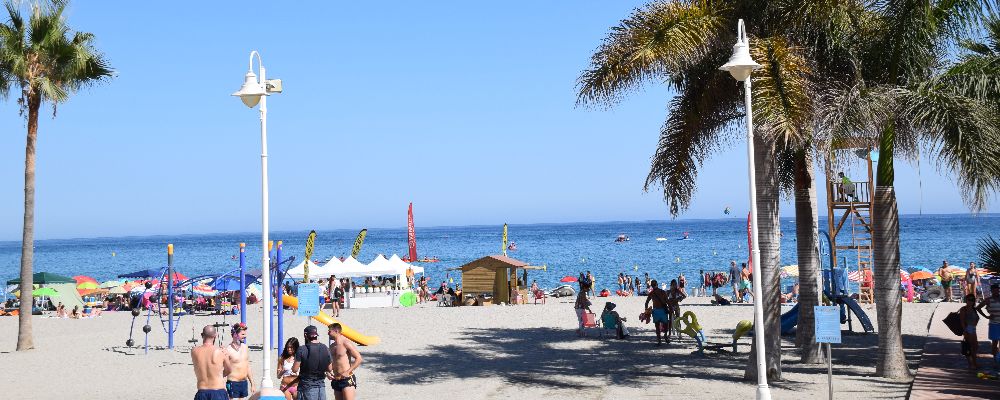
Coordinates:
column 849, row 214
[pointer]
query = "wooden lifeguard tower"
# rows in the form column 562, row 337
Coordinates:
column 495, row 277
column 850, row 200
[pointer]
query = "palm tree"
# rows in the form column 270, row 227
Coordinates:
column 682, row 43
column 989, row 254
column 48, row 62
column 901, row 105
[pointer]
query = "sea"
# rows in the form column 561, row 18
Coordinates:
column 565, row 249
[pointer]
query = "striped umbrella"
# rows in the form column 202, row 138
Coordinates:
column 83, row 278
column 204, row 290
column 87, row 285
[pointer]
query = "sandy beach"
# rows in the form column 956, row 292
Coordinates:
column 527, row 351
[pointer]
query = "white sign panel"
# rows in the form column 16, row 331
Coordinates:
column 827, row 324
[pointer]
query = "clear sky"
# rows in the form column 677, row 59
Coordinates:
column 464, row 108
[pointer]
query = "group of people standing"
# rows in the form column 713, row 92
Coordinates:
column 968, row 282
column 224, row 374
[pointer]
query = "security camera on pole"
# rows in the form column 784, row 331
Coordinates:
column 740, row 66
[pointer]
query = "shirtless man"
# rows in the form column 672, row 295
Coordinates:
column 341, row 376
column 660, row 316
column 209, row 362
column 238, row 379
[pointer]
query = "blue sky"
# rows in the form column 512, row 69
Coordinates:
column 465, row 109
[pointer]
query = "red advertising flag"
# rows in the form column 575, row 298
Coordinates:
column 412, row 235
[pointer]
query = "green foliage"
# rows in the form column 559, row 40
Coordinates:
column 989, row 254
column 44, row 57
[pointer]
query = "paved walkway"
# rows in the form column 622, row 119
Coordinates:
column 943, row 372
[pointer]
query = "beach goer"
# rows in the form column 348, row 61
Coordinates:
column 312, row 363
column 288, row 379
column 945, row 279
column 792, row 296
column 591, row 284
column 992, row 305
column 969, row 319
column 75, row 314
column 582, row 283
column 971, row 279
column 336, row 295
column 239, row 381
column 610, row 318
column 719, row 300
column 635, row 285
column 681, row 283
column 846, row 187
column 209, row 361
column 581, row 306
column 674, row 298
column 621, row 281
column 345, row 359
column 660, row 313
column 60, row 310
column 735, row 275
column 745, row 282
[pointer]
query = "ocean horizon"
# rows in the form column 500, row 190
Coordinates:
column 565, row 248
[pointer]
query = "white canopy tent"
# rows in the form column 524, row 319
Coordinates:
column 314, row 270
column 352, row 268
column 401, row 266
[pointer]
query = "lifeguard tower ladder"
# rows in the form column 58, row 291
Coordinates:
column 852, row 202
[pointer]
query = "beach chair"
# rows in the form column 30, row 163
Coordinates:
column 609, row 324
column 539, row 295
column 589, row 322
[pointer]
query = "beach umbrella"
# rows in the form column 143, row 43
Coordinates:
column 790, row 270
column 854, row 276
column 982, row 271
column 118, row 290
column 87, row 285
column 407, row 299
column 44, row 278
column 45, row 291
column 204, row 290
column 112, row 283
column 83, row 278
column 921, row 275
column 568, row 278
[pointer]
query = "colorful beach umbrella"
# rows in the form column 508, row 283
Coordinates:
column 45, row 291
column 87, row 285
column 921, row 275
column 118, row 290
column 790, row 270
column 204, row 290
column 568, row 278
column 112, row 283
column 83, row 278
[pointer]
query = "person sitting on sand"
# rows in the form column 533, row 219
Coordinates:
column 659, row 312
column 209, row 361
column 719, row 300
column 61, row 310
column 610, row 318
column 581, row 306
column 75, row 314
column 792, row 296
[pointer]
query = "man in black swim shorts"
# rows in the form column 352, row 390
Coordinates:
column 342, row 351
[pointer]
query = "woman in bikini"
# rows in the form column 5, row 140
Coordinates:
column 969, row 319
column 289, row 380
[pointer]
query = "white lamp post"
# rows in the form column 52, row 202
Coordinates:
column 740, row 65
column 256, row 91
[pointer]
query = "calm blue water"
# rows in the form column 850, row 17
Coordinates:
column 566, row 249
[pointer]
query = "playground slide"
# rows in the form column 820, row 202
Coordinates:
column 325, row 319
column 860, row 313
column 789, row 319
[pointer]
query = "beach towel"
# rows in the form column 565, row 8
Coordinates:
column 954, row 323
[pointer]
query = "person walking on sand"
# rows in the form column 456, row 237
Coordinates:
column 945, row 279
column 591, row 284
column 734, row 280
column 969, row 319
column 312, row 363
column 209, row 364
column 336, row 294
column 992, row 305
column 239, row 380
column 345, row 359
column 660, row 314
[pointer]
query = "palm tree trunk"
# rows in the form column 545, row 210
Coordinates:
column 806, row 237
column 25, row 341
column 770, row 257
column 885, row 241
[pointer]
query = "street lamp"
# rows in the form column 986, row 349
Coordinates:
column 740, row 66
column 252, row 92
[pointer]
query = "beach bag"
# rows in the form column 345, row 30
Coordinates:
column 954, row 323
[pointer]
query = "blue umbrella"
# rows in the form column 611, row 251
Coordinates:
column 225, row 284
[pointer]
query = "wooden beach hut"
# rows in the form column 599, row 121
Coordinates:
column 495, row 276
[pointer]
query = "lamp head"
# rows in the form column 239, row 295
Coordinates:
column 740, row 64
column 251, row 90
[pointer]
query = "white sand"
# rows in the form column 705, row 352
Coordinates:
column 528, row 351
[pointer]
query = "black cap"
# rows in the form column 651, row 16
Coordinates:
column 310, row 331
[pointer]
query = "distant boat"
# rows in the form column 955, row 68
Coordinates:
column 622, row 238
column 660, row 239
column 685, row 237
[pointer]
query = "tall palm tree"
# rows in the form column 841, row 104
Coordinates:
column 902, row 103
column 48, row 63
column 682, row 43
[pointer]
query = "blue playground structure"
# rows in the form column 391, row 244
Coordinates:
column 835, row 290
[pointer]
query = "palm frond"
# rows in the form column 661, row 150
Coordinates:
column 782, row 98
column 962, row 131
column 989, row 254
column 656, row 41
